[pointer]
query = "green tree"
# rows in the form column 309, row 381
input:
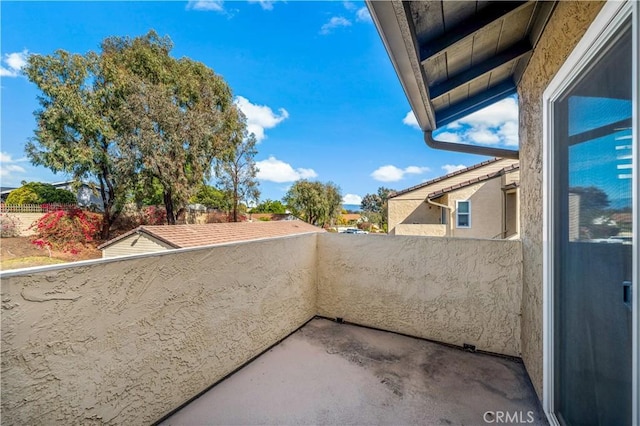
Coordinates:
column 236, row 171
column 75, row 132
column 40, row 193
column 315, row 202
column 176, row 117
column 270, row 206
column 375, row 206
column 211, row 197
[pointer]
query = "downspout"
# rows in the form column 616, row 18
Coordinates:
column 442, row 206
column 469, row 149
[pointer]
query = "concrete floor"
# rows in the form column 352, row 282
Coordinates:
column 339, row 374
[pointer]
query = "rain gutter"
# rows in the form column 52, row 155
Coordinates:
column 469, row 149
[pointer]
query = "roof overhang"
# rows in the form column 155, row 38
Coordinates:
column 456, row 57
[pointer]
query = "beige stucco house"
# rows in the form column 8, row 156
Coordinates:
column 480, row 201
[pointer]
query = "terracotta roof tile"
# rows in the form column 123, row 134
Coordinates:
column 180, row 236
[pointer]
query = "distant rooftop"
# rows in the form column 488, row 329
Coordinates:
column 180, row 236
column 475, row 180
column 509, row 165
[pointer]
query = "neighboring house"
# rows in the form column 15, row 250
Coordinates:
column 154, row 238
column 351, row 218
column 4, row 192
column 85, row 195
column 480, row 201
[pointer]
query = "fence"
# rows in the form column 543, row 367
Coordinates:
column 35, row 208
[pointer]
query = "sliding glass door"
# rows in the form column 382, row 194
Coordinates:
column 591, row 238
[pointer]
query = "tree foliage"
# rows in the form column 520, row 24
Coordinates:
column 270, row 206
column 177, row 115
column 129, row 118
column 315, row 202
column 375, row 205
column 40, row 193
column 236, row 172
column 211, row 197
column 75, row 132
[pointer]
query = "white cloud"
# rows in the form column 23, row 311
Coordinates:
column 509, row 133
column 8, row 165
column 391, row 173
column 264, row 4
column 349, row 5
column 415, row 170
column 410, row 120
column 496, row 124
column 494, row 115
column 351, row 199
column 334, row 22
column 14, row 63
column 260, row 117
column 450, row 168
column 278, row 171
column 483, row 136
column 449, row 137
column 363, row 15
column 206, row 5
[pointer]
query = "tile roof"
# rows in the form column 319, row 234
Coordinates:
column 474, row 181
column 180, row 236
column 447, row 176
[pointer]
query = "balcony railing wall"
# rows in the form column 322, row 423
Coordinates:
column 125, row 341
column 446, row 289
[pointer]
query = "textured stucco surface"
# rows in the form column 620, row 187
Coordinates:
column 426, row 230
column 125, row 341
column 411, row 212
column 566, row 27
column 446, row 289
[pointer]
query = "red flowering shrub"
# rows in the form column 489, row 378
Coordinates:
column 67, row 230
column 154, row 215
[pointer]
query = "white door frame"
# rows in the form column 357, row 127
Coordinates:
column 610, row 18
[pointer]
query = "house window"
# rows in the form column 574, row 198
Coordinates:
column 443, row 215
column 463, row 214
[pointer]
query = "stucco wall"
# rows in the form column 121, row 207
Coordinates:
column 451, row 290
column 125, row 341
column 410, row 212
column 25, row 220
column 486, row 209
column 426, row 230
column 565, row 28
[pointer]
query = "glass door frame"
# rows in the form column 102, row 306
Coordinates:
column 609, row 20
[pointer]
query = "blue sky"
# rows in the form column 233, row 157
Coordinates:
column 313, row 79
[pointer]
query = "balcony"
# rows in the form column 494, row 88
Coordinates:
column 129, row 340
